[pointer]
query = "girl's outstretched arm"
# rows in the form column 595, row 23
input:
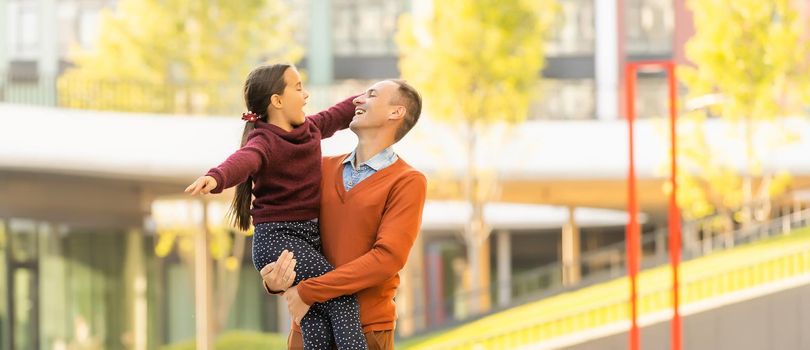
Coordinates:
column 236, row 169
column 334, row 118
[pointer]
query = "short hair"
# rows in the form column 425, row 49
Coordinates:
column 408, row 97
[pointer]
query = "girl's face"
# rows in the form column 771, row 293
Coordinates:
column 294, row 98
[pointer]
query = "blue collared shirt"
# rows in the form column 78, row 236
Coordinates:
column 352, row 176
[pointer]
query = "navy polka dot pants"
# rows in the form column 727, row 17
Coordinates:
column 335, row 322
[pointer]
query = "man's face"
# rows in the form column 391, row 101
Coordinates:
column 373, row 109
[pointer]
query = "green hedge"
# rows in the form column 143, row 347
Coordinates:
column 238, row 340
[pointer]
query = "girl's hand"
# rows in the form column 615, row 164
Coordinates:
column 203, row 184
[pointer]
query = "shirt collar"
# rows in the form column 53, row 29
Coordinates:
column 379, row 161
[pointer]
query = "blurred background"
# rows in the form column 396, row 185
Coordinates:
column 109, row 108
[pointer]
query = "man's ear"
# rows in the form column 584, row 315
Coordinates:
column 275, row 101
column 397, row 113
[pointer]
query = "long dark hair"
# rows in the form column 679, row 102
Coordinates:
column 262, row 83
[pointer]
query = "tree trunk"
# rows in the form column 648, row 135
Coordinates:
column 476, row 231
column 748, row 185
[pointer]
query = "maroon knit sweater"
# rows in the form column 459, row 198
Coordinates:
column 285, row 166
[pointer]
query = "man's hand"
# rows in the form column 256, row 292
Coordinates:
column 296, row 306
column 279, row 275
column 203, row 184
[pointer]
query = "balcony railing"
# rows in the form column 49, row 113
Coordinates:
column 197, row 98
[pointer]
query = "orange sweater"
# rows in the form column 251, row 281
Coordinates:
column 367, row 234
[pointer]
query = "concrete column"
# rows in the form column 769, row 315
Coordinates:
column 135, row 280
column 47, row 58
column 8, row 338
column 202, row 285
column 504, row 261
column 410, row 296
column 684, row 29
column 621, row 55
column 606, row 59
column 571, row 273
column 404, row 302
column 4, row 39
column 319, row 50
column 434, row 288
column 479, row 265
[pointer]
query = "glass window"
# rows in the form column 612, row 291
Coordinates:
column 248, row 308
column 94, row 289
column 23, row 241
column 66, row 34
column 29, row 29
column 365, row 27
column 652, row 97
column 180, row 301
column 23, row 26
column 88, row 27
column 649, row 26
column 341, row 34
column 53, row 284
column 299, row 14
column 22, row 276
column 564, row 99
column 24, row 308
column 574, row 35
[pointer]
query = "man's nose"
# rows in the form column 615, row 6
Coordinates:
column 357, row 101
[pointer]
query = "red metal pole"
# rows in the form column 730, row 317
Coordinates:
column 631, row 233
column 674, row 214
column 633, row 230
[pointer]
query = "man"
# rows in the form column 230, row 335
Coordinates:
column 371, row 212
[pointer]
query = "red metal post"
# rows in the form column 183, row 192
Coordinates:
column 674, row 213
column 632, row 232
column 632, row 208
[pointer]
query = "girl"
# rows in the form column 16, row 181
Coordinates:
column 279, row 164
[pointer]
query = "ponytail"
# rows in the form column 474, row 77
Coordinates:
column 261, row 84
column 240, row 207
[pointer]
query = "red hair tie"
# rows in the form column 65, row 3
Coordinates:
column 250, row 117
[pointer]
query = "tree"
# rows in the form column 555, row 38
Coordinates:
column 749, row 55
column 177, row 56
column 479, row 63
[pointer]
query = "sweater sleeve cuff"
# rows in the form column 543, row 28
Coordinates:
column 217, row 175
column 306, row 295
